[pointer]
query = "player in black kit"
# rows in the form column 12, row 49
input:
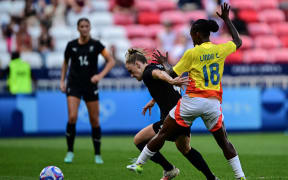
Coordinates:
column 82, row 82
column 166, row 96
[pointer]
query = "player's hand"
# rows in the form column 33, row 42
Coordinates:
column 160, row 58
column 96, row 78
column 225, row 8
column 180, row 81
column 149, row 106
column 63, row 86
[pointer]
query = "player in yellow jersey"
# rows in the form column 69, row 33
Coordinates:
column 203, row 96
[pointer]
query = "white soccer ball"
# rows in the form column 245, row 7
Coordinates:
column 51, row 173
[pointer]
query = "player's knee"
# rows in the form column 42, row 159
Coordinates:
column 72, row 118
column 136, row 140
column 184, row 149
column 94, row 122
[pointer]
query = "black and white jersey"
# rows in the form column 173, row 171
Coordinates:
column 162, row 92
column 83, row 61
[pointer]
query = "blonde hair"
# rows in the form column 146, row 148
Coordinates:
column 134, row 55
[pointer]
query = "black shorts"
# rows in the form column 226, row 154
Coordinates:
column 158, row 125
column 88, row 93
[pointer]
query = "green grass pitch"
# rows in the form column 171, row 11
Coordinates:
column 263, row 156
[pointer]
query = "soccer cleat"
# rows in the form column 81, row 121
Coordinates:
column 69, row 157
column 135, row 167
column 167, row 175
column 98, row 159
column 241, row 178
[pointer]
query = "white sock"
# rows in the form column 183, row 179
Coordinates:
column 145, row 155
column 236, row 166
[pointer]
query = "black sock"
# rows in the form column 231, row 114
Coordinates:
column 157, row 158
column 70, row 136
column 96, row 138
column 197, row 160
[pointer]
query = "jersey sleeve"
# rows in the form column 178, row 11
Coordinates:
column 151, row 69
column 228, row 48
column 67, row 53
column 99, row 47
column 185, row 63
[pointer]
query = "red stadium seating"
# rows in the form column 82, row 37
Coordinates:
column 145, row 5
column 194, row 15
column 165, row 5
column 220, row 39
column 145, row 43
column 248, row 15
column 267, row 4
column 123, row 18
column 255, row 56
column 284, row 40
column 267, row 42
column 235, row 58
column 135, row 31
column 279, row 55
column 280, row 28
column 176, row 17
column 247, row 42
column 153, row 30
column 243, row 4
column 259, row 29
column 147, row 18
column 272, row 16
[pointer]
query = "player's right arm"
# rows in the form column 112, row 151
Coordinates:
column 149, row 106
column 64, row 68
column 233, row 31
column 177, row 81
column 63, row 76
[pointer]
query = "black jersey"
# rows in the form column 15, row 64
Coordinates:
column 83, row 61
column 162, row 92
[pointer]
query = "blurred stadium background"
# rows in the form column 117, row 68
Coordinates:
column 255, row 79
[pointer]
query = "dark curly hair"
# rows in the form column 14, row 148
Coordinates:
column 204, row 27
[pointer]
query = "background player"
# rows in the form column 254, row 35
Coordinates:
column 204, row 92
column 154, row 77
column 82, row 82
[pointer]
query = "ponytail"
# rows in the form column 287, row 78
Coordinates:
column 134, row 55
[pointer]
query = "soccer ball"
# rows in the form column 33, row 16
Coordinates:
column 51, row 173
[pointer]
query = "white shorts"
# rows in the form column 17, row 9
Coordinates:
column 188, row 109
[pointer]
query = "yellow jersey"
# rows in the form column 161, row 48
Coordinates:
column 205, row 65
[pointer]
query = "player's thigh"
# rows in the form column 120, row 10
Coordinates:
column 93, row 110
column 145, row 134
column 73, row 103
column 183, row 143
column 170, row 129
column 221, row 136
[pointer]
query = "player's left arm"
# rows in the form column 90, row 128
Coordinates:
column 177, row 81
column 110, row 62
column 225, row 8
